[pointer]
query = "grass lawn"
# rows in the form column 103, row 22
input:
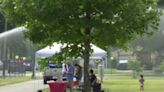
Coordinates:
column 125, row 83
column 13, row 80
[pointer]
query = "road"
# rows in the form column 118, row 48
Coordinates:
column 38, row 73
column 30, row 86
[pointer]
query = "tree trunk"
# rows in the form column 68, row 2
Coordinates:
column 87, row 48
column 87, row 87
column 33, row 66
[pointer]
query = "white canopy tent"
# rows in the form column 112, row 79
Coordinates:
column 98, row 52
column 55, row 48
column 49, row 51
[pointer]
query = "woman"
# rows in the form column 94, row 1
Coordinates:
column 78, row 73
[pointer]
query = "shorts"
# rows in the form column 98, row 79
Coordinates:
column 142, row 85
column 70, row 77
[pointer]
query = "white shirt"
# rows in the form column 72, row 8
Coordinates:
column 64, row 68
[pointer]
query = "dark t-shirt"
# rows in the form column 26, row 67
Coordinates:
column 92, row 78
column 141, row 81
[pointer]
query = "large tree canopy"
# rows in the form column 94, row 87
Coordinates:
column 81, row 22
column 111, row 22
column 152, row 43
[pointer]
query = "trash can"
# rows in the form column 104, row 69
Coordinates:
column 57, row 86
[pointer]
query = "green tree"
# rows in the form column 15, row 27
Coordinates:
column 2, row 23
column 78, row 23
column 150, row 45
column 135, row 66
column 161, row 3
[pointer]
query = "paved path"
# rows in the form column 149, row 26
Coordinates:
column 30, row 86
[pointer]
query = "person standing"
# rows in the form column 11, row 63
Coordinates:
column 64, row 69
column 78, row 73
column 93, row 80
column 141, row 80
column 70, row 76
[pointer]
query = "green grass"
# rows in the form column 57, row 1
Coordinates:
column 125, row 83
column 117, row 83
column 13, row 80
column 106, row 71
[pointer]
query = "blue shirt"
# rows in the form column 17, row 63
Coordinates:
column 70, row 74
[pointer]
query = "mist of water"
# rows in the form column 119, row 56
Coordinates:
column 12, row 32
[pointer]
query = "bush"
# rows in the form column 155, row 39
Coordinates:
column 135, row 66
column 159, row 69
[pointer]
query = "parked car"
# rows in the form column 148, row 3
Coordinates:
column 53, row 72
column 28, row 66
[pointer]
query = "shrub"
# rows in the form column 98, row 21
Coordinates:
column 159, row 69
column 135, row 66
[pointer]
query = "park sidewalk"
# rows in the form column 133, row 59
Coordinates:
column 30, row 86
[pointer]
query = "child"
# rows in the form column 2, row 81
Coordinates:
column 141, row 80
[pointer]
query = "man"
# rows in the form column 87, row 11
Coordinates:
column 70, row 76
column 64, row 69
column 93, row 78
column 96, row 87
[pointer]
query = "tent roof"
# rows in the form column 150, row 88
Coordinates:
column 98, row 52
column 55, row 48
column 49, row 50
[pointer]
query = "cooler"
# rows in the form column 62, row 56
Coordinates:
column 57, row 86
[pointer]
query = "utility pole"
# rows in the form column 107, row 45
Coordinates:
column 111, row 60
column 33, row 70
column 4, row 48
column 33, row 61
